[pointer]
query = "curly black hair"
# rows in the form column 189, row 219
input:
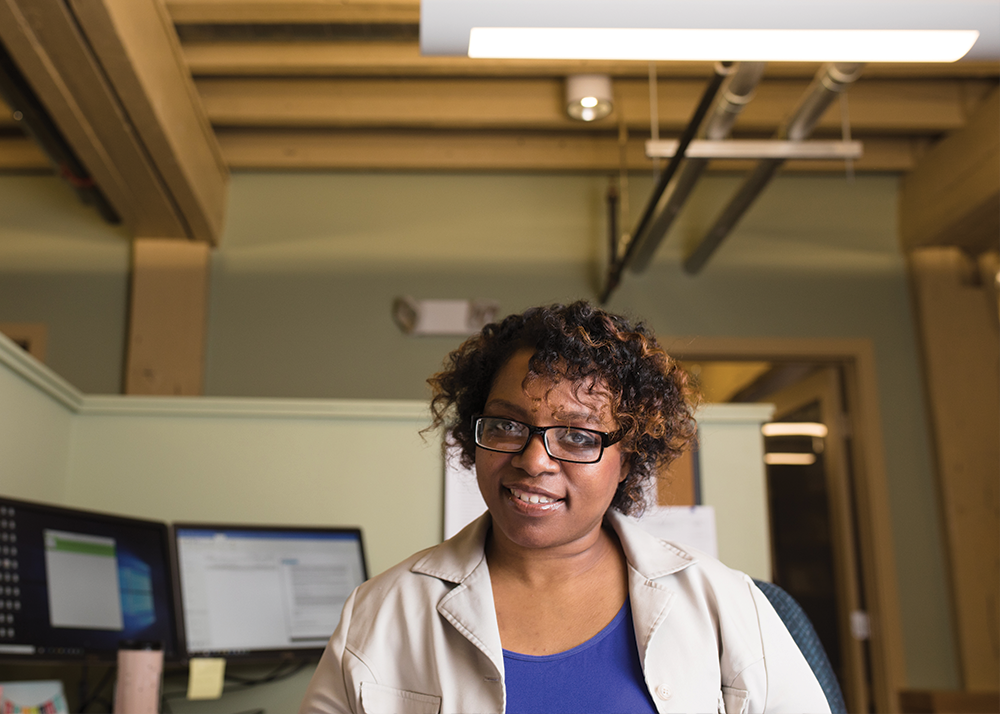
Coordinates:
column 652, row 400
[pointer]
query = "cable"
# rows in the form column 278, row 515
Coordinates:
column 94, row 697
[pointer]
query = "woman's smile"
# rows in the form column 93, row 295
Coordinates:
column 530, row 501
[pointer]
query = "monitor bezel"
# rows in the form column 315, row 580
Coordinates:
column 171, row 650
column 291, row 654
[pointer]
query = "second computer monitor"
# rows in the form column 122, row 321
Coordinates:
column 263, row 592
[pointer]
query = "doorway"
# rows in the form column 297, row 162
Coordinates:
column 831, row 549
column 813, row 523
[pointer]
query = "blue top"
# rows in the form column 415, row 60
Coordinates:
column 601, row 676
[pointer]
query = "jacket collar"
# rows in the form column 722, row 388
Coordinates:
column 456, row 559
column 648, row 555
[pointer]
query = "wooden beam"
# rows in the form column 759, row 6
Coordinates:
column 537, row 103
column 138, row 48
column 111, row 77
column 956, row 313
column 167, row 317
column 952, row 197
column 43, row 38
column 293, row 11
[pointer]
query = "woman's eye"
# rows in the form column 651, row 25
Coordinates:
column 577, row 439
column 504, row 427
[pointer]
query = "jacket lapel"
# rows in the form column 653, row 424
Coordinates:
column 469, row 605
column 649, row 558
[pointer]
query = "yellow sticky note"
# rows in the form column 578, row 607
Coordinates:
column 205, row 677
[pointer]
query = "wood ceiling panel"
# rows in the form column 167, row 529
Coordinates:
column 7, row 120
column 19, row 153
column 471, row 150
column 394, row 58
column 293, row 11
column 386, row 58
column 513, row 103
column 876, row 106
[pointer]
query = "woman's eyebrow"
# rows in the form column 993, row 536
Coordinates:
column 504, row 404
column 587, row 417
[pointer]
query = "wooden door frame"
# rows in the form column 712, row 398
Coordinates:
column 825, row 388
column 856, row 359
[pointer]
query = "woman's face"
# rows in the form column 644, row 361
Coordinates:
column 570, row 499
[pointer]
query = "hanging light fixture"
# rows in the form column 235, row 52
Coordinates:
column 736, row 30
column 588, row 96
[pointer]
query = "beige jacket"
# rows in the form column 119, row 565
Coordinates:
column 422, row 637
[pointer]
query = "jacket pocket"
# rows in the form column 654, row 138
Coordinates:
column 379, row 699
column 733, row 701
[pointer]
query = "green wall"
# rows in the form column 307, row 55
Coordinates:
column 309, row 264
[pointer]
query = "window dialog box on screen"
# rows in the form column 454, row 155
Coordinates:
column 264, row 591
column 82, row 573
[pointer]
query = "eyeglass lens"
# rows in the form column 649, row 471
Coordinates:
column 561, row 442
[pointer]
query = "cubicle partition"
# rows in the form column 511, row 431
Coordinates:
column 363, row 463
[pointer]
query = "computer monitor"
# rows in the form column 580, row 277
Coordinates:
column 263, row 592
column 76, row 585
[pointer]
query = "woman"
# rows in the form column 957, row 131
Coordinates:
column 552, row 601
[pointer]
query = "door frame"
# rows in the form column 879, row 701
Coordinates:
column 824, row 387
column 856, row 359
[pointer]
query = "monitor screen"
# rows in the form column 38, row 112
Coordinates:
column 263, row 592
column 76, row 584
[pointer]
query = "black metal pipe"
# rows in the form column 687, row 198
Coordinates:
column 736, row 95
column 690, row 131
column 831, row 80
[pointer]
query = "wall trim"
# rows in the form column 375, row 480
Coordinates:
column 38, row 375
column 115, row 405
column 61, row 391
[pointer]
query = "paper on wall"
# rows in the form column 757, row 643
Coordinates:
column 462, row 501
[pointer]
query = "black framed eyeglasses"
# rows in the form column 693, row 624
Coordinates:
column 563, row 443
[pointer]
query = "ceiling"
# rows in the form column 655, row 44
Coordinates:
column 340, row 84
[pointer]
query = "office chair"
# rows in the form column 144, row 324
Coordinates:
column 797, row 622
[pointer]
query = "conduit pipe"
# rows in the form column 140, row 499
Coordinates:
column 618, row 263
column 736, row 94
column 830, row 82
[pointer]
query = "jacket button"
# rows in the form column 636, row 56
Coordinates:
column 663, row 692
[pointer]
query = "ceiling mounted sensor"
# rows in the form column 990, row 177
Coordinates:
column 588, row 96
column 764, row 31
column 443, row 317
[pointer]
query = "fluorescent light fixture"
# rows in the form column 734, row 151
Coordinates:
column 786, row 459
column 788, row 428
column 714, row 30
column 723, row 44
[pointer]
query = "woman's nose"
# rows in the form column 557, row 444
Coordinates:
column 534, row 459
